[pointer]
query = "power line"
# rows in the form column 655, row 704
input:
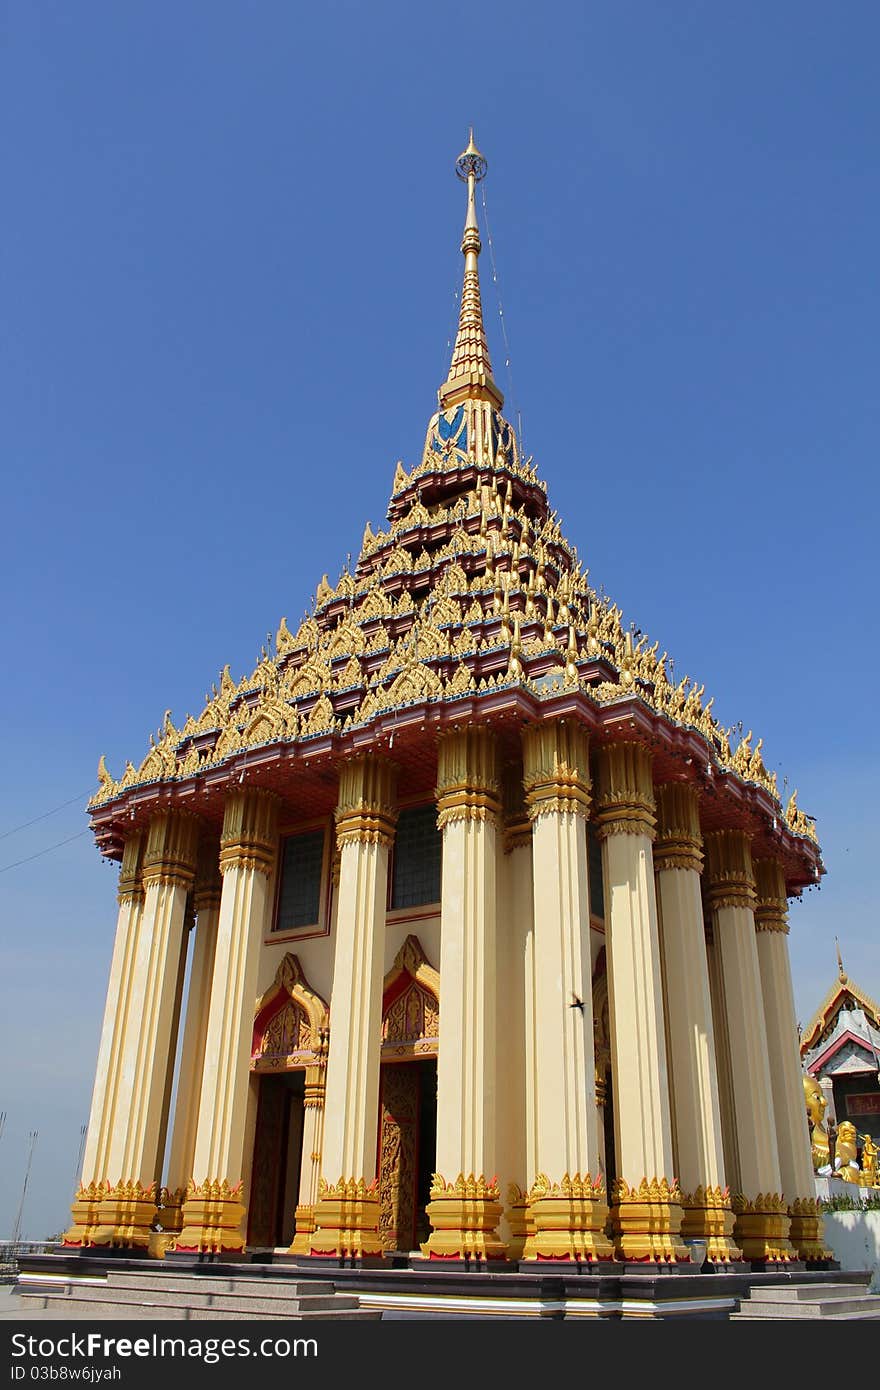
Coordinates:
column 79, row 1157
column 32, row 1139
column 40, row 852
column 55, row 809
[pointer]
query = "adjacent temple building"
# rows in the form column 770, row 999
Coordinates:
column 457, row 928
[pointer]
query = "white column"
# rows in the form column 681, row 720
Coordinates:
column 762, row 1222
column 347, row 1211
column 678, row 861
column 216, row 1201
column 464, row 1210
column 206, row 904
column 646, row 1210
column 567, row 1199
column 135, row 1155
column 102, row 1114
column 515, row 1015
column 783, row 1050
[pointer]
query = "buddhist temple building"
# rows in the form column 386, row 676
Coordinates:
column 456, row 928
column 840, row 1049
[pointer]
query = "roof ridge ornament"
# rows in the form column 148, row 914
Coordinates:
column 470, row 371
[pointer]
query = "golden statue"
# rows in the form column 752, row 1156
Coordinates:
column 816, row 1105
column 845, row 1157
column 869, row 1161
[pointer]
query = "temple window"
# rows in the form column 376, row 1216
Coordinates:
column 416, row 858
column 301, row 890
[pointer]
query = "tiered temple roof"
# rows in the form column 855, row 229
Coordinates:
column 469, row 605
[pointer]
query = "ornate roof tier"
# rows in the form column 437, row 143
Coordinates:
column 469, row 604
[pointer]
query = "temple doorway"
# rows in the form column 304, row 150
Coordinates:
column 407, row 1147
column 407, row 1151
column 275, row 1178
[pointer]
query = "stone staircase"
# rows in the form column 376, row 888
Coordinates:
column 848, row 1299
column 147, row 1295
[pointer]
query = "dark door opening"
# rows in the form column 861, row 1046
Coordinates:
column 277, row 1160
column 407, row 1151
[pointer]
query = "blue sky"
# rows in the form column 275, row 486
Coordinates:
column 229, row 260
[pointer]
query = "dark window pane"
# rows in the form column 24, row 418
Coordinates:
column 299, row 899
column 597, row 885
column 415, row 876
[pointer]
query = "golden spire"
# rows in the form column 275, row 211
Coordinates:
column 470, row 372
column 840, row 970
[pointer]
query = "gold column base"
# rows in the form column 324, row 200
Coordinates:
column 126, row 1216
column 519, row 1219
column 211, row 1219
column 346, row 1220
column 761, row 1228
column 464, row 1215
column 707, row 1215
column 568, row 1220
column 171, row 1210
column 84, row 1209
column 805, row 1232
column 646, row 1221
column 305, row 1225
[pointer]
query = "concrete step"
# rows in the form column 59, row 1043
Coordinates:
column 233, row 1283
column 281, row 1306
column 772, row 1316
column 795, row 1293
column 867, row 1306
column 65, row 1306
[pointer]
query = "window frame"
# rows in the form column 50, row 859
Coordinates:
column 414, row 910
column 309, row 930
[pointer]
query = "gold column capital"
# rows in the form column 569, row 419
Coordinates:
column 250, row 831
column 517, row 826
column 556, row 769
column 131, row 882
column 771, row 906
column 366, row 812
column 208, row 882
column 679, row 844
column 625, row 805
column 730, row 879
column 467, row 778
column 171, row 849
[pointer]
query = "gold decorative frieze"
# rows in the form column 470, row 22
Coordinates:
column 467, row 782
column 126, row 1214
column 171, row 849
column 86, row 1212
column 729, row 875
column 346, row 1220
column 464, row 1216
column 707, row 1215
column 366, row 812
column 625, row 804
column 645, row 1220
column 567, row 1219
column 678, row 844
column 131, row 882
column 771, row 904
column 556, row 769
column 806, row 1233
column 212, row 1217
column 250, row 831
column 762, row 1226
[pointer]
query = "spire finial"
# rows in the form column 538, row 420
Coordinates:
column 840, row 970
column 470, row 372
